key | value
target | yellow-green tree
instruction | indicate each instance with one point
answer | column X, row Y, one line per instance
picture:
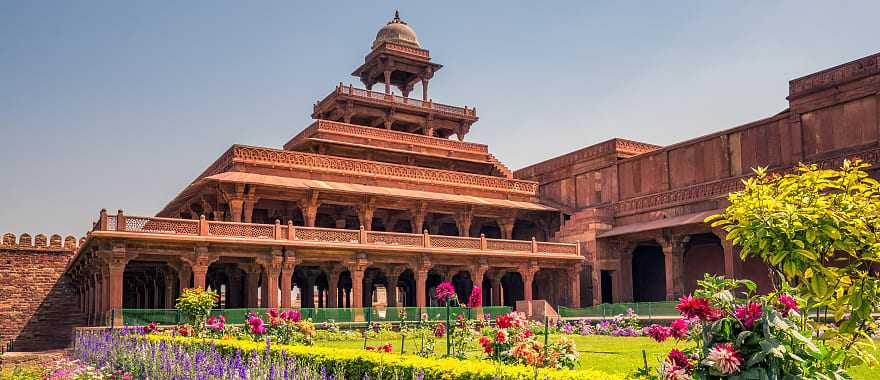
column 819, row 230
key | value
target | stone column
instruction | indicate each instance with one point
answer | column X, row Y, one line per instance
column 421, row 281
column 116, row 262
column 393, row 278
column 272, row 268
column 417, row 217
column 368, row 292
column 506, row 223
column 365, row 214
column 497, row 297
column 463, row 221
column 155, row 281
column 357, row 288
column 235, row 209
column 332, row 287
column 574, row 285
column 309, row 207
column 729, row 253
column 307, row 291
column 387, row 81
column 253, row 282
column 673, row 256
column 184, row 276
column 528, row 277
column 169, row 292
column 286, row 279
column 233, row 291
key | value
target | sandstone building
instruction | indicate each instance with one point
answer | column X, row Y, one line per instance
column 375, row 203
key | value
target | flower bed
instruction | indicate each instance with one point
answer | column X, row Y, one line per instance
column 164, row 357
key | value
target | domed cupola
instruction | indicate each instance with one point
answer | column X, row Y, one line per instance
column 398, row 32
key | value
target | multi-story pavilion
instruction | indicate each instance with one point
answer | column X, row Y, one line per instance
column 372, row 203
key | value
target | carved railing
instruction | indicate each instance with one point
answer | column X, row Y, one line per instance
column 421, row 53
column 336, row 127
column 330, row 236
column 384, row 99
column 290, row 159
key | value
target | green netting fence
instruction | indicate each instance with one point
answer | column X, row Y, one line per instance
column 609, row 310
column 138, row 317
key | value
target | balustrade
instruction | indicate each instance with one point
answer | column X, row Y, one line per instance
column 289, row 232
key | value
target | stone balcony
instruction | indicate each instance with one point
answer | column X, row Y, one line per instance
column 122, row 226
column 344, row 93
column 378, row 137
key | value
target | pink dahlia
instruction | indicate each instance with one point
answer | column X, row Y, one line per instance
column 789, row 304
column 444, row 292
column 679, row 359
column 691, row 307
column 724, row 359
column 669, row 371
column 748, row 314
column 659, row 333
column 679, row 328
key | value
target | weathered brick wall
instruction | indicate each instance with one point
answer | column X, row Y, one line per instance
column 38, row 305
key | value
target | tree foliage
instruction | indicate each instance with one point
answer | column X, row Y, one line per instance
column 818, row 229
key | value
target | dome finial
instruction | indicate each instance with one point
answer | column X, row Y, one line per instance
column 396, row 15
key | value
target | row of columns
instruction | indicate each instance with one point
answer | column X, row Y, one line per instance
column 243, row 198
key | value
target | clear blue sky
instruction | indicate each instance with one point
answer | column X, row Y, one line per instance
column 121, row 104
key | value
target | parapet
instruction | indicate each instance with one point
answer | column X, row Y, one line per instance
column 39, row 242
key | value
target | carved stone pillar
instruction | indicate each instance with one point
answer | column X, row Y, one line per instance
column 332, row 287
column 574, row 285
column 528, row 277
column 248, row 208
column 116, row 260
column 391, row 291
column 497, row 296
column 387, row 81
column 307, row 292
column 365, row 213
column 417, row 219
column 272, row 268
column 729, row 253
column 673, row 256
column 356, row 267
column 506, row 223
column 463, row 221
column 478, row 272
column 309, row 206
column 421, row 275
column 424, row 89
column 253, row 283
column 199, row 263
column 286, row 279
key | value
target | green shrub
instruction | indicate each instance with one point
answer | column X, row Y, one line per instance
column 355, row 364
column 196, row 304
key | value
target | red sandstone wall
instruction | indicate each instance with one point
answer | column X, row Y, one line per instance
column 38, row 305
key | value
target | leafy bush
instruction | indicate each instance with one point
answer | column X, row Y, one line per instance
column 819, row 230
column 195, row 304
column 741, row 335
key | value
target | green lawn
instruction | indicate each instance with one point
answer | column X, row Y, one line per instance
column 617, row 355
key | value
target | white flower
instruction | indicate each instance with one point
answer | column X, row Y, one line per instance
column 724, row 359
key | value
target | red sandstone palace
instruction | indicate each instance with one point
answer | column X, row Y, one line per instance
column 374, row 203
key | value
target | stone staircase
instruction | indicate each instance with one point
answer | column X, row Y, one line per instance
column 503, row 169
column 574, row 227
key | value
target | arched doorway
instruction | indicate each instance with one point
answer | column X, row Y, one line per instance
column 648, row 273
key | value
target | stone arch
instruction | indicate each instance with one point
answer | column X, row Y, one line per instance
column 434, row 279
column 648, row 273
column 704, row 254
